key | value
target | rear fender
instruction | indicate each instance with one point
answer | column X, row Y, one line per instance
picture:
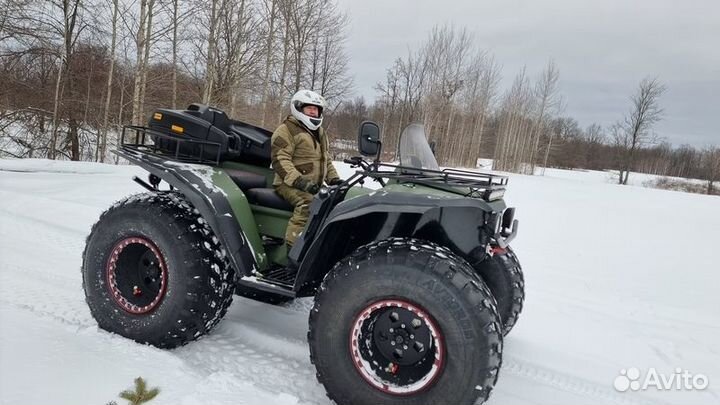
column 220, row 202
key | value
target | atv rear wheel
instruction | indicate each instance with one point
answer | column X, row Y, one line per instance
column 154, row 272
column 503, row 275
column 405, row 321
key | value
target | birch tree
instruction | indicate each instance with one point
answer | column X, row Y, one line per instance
column 100, row 156
column 547, row 101
column 270, row 8
column 211, row 48
column 142, row 41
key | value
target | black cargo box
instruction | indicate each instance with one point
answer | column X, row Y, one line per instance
column 218, row 137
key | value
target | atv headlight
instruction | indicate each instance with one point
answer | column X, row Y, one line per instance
column 492, row 195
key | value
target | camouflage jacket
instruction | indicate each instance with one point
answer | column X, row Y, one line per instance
column 296, row 152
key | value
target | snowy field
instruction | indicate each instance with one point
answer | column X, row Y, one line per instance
column 617, row 277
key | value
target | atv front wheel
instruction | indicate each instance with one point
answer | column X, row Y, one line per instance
column 154, row 272
column 503, row 275
column 405, row 321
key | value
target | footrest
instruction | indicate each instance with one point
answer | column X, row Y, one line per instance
column 280, row 275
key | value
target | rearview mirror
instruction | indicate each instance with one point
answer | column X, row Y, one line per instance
column 369, row 138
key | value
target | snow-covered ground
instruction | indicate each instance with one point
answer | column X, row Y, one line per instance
column 617, row 277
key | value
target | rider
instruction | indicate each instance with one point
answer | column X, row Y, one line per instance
column 301, row 159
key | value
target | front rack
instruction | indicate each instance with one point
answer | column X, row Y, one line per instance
column 199, row 149
column 484, row 185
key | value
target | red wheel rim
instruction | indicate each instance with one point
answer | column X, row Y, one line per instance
column 369, row 373
column 114, row 271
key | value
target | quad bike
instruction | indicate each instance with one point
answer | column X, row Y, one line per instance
column 415, row 285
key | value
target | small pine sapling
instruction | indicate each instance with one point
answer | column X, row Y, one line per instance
column 141, row 394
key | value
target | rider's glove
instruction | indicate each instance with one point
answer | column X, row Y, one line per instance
column 306, row 185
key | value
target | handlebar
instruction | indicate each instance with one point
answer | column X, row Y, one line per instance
column 357, row 161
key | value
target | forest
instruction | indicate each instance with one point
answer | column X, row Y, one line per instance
column 73, row 72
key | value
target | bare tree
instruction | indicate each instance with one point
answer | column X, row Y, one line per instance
column 100, row 156
column 175, row 23
column 142, row 42
column 239, row 51
column 594, row 139
column 69, row 30
column 514, row 121
column 711, row 167
column 211, row 49
column 638, row 123
column 303, row 17
column 329, row 60
column 271, row 17
column 146, row 58
column 484, row 77
column 547, row 101
column 447, row 51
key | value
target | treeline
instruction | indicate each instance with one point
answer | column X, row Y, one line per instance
column 452, row 86
column 74, row 71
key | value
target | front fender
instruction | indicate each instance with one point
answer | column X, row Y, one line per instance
column 457, row 223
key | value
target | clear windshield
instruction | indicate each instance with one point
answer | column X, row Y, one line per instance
column 414, row 149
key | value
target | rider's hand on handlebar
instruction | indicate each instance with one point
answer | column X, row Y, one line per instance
column 306, row 185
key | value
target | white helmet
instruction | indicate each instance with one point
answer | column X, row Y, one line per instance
column 300, row 100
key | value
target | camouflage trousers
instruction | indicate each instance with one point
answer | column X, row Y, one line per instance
column 301, row 200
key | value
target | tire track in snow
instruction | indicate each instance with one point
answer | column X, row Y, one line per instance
column 568, row 383
column 46, row 297
column 61, row 232
column 249, row 353
column 263, row 344
column 273, row 358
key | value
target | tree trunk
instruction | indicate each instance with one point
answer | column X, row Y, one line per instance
column 74, row 139
column 140, row 47
column 146, row 59
column 284, row 69
column 547, row 150
column 108, row 93
column 237, row 77
column 56, row 106
column 174, row 53
column 210, row 67
column 268, row 59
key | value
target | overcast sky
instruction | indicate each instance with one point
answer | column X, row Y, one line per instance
column 602, row 48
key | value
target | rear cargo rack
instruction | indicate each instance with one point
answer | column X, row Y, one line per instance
column 135, row 139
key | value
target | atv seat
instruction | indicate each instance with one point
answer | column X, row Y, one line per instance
column 246, row 180
column 267, row 197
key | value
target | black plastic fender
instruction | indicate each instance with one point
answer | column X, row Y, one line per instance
column 208, row 199
column 460, row 224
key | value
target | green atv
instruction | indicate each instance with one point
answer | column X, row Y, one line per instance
column 414, row 282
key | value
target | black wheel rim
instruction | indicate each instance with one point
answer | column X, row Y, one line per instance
column 397, row 347
column 136, row 275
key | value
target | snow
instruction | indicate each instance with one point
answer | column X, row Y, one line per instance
column 617, row 277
